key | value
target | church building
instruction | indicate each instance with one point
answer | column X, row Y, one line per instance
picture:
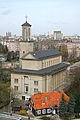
column 39, row 71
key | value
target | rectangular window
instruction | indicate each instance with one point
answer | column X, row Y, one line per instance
column 26, row 88
column 16, row 88
column 35, row 82
column 49, row 63
column 15, row 80
column 26, row 77
column 23, row 51
column 35, row 89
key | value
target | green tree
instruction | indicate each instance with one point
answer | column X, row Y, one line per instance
column 4, row 94
column 12, row 56
column 63, row 107
column 5, row 50
column 77, row 105
column 74, row 87
column 71, row 105
column 64, row 50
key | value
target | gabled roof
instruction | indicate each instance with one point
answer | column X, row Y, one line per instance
column 47, row 99
column 50, row 70
column 26, row 24
column 44, row 54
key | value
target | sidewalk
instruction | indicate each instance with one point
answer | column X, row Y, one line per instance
column 24, row 117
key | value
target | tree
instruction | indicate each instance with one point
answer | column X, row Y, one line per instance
column 12, row 56
column 3, row 49
column 63, row 107
column 74, row 87
column 73, row 54
column 64, row 50
column 4, row 94
column 71, row 105
column 77, row 105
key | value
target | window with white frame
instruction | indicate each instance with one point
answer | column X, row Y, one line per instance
column 44, row 111
column 26, row 90
column 39, row 112
column 35, row 82
column 26, row 77
column 16, row 88
column 15, row 80
column 49, row 110
column 35, row 89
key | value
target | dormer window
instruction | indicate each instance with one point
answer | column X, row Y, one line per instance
column 46, row 98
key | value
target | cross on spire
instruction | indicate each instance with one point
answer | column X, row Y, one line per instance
column 26, row 18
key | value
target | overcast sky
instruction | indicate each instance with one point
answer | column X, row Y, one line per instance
column 44, row 16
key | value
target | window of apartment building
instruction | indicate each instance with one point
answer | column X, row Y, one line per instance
column 26, row 89
column 49, row 63
column 35, row 89
column 35, row 82
column 16, row 88
column 23, row 51
column 15, row 80
column 45, row 64
column 26, row 77
column 42, row 64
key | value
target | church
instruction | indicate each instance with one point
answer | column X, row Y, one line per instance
column 39, row 71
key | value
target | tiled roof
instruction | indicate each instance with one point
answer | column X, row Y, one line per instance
column 47, row 99
column 43, row 54
column 26, row 24
column 50, row 70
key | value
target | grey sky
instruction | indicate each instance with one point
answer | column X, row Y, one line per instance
column 44, row 15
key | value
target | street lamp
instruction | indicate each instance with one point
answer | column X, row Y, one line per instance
column 58, row 107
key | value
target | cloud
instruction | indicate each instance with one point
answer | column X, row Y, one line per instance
column 6, row 12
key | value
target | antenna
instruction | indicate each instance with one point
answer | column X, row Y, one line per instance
column 26, row 18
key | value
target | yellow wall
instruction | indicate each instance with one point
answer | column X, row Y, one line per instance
column 37, row 65
column 25, row 47
column 45, row 83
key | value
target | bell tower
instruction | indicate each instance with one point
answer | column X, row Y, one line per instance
column 26, row 31
column 26, row 45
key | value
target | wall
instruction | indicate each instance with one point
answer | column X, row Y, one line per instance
column 51, row 61
column 45, row 83
column 31, row 64
column 56, row 80
column 22, row 83
column 25, row 47
column 37, row 65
